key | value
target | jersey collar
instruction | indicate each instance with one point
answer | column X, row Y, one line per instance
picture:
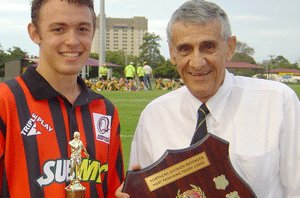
column 42, row 90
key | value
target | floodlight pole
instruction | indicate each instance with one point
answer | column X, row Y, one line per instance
column 102, row 33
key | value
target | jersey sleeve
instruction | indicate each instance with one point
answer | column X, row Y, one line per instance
column 2, row 138
column 2, row 123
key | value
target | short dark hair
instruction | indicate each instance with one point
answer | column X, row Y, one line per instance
column 37, row 4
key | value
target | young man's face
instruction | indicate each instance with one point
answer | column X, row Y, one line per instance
column 200, row 53
column 64, row 35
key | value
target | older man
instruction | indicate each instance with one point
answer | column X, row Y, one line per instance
column 259, row 118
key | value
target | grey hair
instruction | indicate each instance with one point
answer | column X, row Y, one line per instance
column 200, row 12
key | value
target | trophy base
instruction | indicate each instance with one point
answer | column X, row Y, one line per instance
column 75, row 190
column 75, row 194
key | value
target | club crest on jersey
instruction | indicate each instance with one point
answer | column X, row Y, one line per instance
column 102, row 125
column 30, row 129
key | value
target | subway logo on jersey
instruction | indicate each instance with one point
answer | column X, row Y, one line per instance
column 57, row 171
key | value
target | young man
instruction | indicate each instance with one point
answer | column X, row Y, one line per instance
column 41, row 109
column 259, row 118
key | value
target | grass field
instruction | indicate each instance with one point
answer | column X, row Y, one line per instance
column 130, row 105
column 297, row 89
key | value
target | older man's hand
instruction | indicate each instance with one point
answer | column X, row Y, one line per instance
column 119, row 193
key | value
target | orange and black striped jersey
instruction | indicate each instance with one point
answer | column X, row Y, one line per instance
column 36, row 124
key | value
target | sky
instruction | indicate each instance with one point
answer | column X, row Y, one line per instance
column 271, row 27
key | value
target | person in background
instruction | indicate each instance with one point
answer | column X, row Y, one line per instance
column 141, row 75
column 148, row 75
column 103, row 72
column 259, row 118
column 42, row 109
column 129, row 72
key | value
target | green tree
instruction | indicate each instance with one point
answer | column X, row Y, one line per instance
column 240, row 57
column 16, row 52
column 244, row 48
column 3, row 58
column 94, row 55
column 150, row 50
column 11, row 54
column 281, row 62
column 116, row 57
column 166, row 70
column 243, row 53
column 295, row 66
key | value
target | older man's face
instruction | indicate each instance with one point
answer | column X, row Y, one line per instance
column 200, row 53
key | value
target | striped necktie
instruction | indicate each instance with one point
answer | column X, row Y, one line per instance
column 201, row 129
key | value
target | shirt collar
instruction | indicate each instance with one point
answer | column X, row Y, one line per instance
column 217, row 103
column 194, row 103
column 42, row 90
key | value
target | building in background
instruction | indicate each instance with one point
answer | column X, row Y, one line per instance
column 122, row 34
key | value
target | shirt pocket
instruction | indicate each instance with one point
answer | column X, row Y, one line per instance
column 261, row 172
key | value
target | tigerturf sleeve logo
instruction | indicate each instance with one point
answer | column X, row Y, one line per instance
column 102, row 125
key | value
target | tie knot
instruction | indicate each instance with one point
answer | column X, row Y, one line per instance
column 203, row 110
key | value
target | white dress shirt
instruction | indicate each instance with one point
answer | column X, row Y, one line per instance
column 259, row 118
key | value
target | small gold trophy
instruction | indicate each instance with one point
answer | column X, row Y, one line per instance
column 75, row 189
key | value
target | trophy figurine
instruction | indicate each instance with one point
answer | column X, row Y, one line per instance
column 75, row 189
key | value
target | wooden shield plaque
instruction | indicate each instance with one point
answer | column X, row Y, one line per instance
column 202, row 171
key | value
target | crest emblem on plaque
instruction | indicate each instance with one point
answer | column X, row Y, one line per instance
column 195, row 192
column 233, row 194
column 221, row 182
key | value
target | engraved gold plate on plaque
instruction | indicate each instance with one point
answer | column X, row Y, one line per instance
column 177, row 171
